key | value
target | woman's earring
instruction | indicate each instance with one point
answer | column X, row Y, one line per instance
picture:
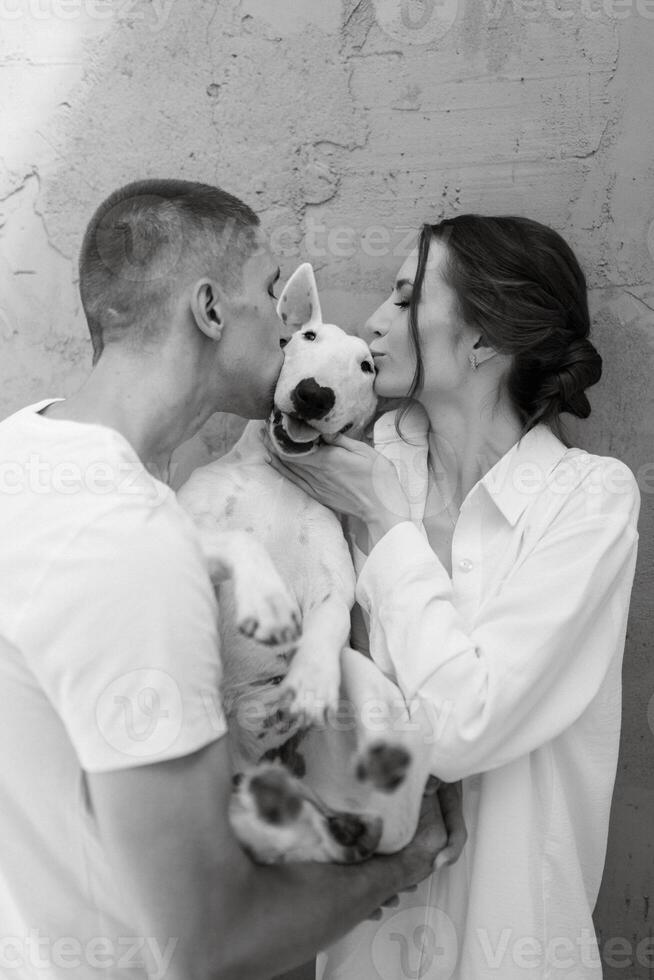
column 477, row 358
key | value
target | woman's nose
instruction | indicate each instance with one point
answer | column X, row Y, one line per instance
column 375, row 325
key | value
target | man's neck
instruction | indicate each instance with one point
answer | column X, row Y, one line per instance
column 151, row 411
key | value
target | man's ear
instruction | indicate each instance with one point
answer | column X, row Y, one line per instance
column 207, row 308
column 298, row 305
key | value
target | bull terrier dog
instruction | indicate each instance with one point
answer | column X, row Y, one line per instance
column 331, row 762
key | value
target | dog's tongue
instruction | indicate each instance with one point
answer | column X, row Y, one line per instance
column 299, row 431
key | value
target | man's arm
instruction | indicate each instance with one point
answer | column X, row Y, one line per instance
column 166, row 832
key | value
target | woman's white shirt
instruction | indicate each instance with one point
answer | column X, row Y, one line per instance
column 517, row 659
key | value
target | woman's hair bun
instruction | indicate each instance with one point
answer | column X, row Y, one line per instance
column 579, row 367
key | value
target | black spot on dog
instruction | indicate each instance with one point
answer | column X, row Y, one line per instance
column 289, row 755
column 276, row 802
column 385, row 765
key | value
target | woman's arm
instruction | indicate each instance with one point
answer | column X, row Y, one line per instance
column 539, row 649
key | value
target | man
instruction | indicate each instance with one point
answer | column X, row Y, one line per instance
column 117, row 856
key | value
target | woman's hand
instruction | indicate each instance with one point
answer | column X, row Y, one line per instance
column 351, row 478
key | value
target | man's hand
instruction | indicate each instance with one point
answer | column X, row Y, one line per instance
column 166, row 832
column 450, row 797
column 439, row 839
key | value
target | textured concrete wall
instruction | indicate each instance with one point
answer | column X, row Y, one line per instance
column 346, row 124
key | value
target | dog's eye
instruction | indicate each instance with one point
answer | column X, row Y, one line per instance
column 367, row 367
column 309, row 335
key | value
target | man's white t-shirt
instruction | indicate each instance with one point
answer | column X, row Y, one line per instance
column 109, row 659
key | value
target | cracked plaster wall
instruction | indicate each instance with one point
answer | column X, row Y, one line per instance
column 345, row 128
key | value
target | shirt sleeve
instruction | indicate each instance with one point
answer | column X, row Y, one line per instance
column 539, row 648
column 123, row 639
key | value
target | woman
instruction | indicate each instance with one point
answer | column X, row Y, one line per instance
column 496, row 588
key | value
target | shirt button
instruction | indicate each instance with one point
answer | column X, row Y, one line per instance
column 466, row 565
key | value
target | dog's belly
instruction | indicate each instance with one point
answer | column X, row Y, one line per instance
column 240, row 492
column 305, row 540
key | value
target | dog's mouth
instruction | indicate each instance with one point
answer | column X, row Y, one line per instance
column 294, row 436
column 291, row 435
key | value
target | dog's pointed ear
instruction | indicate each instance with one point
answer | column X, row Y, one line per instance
column 298, row 304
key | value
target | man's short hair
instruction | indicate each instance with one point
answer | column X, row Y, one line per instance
column 148, row 238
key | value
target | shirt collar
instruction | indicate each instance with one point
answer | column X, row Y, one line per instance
column 523, row 472
column 511, row 483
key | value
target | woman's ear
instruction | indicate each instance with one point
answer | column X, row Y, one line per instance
column 480, row 352
column 208, row 309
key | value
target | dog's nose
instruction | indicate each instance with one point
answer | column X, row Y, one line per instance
column 311, row 400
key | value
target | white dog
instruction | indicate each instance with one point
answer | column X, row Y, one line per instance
column 318, row 778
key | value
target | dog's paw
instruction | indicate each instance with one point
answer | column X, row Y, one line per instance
column 309, row 691
column 383, row 764
column 277, row 818
column 266, row 611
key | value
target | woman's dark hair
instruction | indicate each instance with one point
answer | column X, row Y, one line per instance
column 519, row 283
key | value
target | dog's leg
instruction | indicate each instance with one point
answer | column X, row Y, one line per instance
column 277, row 819
column 265, row 609
column 311, row 686
column 380, row 747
